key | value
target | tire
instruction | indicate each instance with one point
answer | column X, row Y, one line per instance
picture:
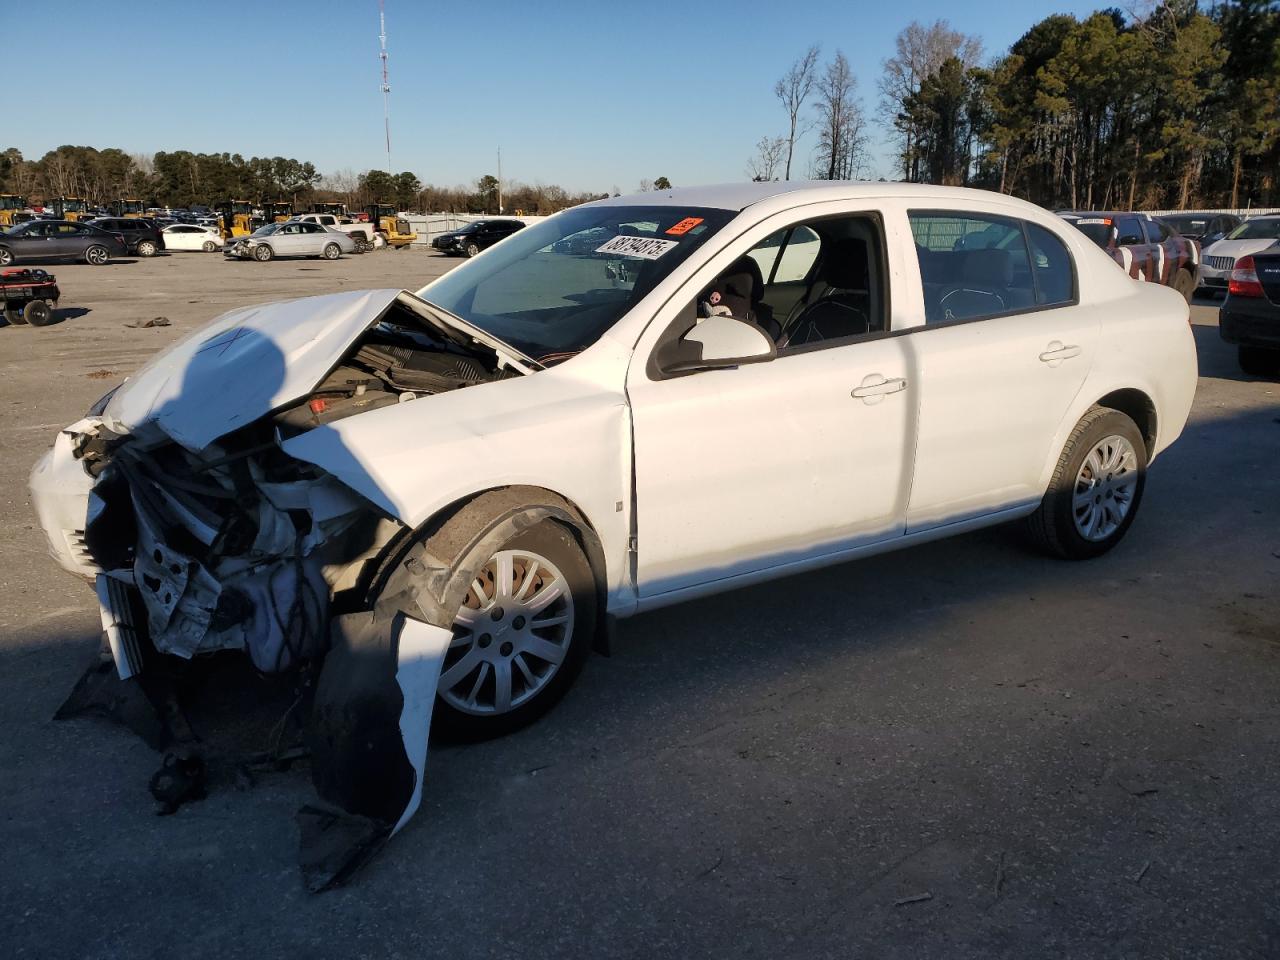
column 15, row 316
column 208, row 246
column 472, row 250
column 146, row 248
column 1185, row 284
column 1074, row 499
column 1259, row 361
column 38, row 313
column 6, row 257
column 262, row 253
column 97, row 255
column 496, row 639
column 331, row 251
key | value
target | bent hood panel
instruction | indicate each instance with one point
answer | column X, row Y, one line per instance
column 243, row 365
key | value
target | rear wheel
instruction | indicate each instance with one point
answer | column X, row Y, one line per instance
column 1095, row 490
column 208, row 246
column 15, row 316
column 1259, row 361
column 262, row 253
column 331, row 251
column 97, row 255
column 146, row 248
column 1185, row 284
column 38, row 313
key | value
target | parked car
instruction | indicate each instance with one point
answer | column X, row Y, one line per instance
column 1145, row 247
column 475, row 236
column 1252, row 236
column 361, row 233
column 290, row 239
column 1250, row 316
column 40, row 241
column 143, row 237
column 188, row 236
column 1204, row 228
column 472, row 481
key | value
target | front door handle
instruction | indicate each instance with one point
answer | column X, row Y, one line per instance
column 875, row 387
column 1057, row 352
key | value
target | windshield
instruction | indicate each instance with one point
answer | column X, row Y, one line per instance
column 1268, row 229
column 1188, row 226
column 1097, row 229
column 550, row 297
column 266, row 231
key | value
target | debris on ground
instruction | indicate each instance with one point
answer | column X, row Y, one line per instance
column 101, row 374
column 915, row 898
column 153, row 322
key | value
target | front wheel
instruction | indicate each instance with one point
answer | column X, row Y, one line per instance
column 146, row 249
column 6, row 257
column 15, row 316
column 262, row 253
column 97, row 255
column 520, row 636
column 331, row 251
column 38, row 313
column 472, row 250
column 1095, row 490
column 1259, row 361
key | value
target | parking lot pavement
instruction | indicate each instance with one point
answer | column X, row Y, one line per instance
column 959, row 750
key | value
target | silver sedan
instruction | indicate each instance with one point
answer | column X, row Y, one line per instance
column 290, row 239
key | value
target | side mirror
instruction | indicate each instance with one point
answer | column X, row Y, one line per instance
column 720, row 342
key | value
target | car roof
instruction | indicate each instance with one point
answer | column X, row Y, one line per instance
column 739, row 196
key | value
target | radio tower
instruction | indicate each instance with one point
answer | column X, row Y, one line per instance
column 386, row 84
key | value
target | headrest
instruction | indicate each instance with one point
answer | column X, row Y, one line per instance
column 844, row 264
column 989, row 268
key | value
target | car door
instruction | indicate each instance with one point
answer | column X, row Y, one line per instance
column 34, row 242
column 289, row 240
column 1003, row 351
column 178, row 238
column 775, row 464
column 1138, row 255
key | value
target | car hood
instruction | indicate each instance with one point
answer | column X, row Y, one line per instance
column 1237, row 248
column 243, row 365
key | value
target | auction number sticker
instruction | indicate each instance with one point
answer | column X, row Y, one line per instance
column 684, row 226
column 646, row 248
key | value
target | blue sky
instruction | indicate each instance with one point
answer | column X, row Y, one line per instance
column 590, row 95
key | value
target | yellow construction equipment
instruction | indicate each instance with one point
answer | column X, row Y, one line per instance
column 132, row 209
column 236, row 217
column 70, row 208
column 11, row 206
column 395, row 230
column 276, row 211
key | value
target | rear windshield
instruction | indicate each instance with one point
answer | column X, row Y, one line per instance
column 1097, row 229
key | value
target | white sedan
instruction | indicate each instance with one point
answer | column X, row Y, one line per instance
column 1253, row 236
column 727, row 385
column 188, row 236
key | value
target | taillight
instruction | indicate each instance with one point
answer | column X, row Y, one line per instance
column 1244, row 279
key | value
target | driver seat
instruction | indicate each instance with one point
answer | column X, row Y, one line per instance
column 837, row 305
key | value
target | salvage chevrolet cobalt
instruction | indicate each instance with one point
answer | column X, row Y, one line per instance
column 434, row 504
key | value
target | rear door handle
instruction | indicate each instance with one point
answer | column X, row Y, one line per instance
column 1057, row 352
column 875, row 387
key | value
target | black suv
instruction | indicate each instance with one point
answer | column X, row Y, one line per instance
column 142, row 237
column 476, row 236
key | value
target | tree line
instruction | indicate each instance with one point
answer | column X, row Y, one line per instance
column 1175, row 108
column 181, row 178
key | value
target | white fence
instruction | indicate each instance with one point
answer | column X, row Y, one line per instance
column 1245, row 212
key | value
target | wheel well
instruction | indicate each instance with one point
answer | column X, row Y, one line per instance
column 495, row 500
column 1139, row 408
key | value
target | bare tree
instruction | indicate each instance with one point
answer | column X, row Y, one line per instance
column 646, row 186
column 842, row 127
column 793, row 90
column 768, row 157
column 921, row 51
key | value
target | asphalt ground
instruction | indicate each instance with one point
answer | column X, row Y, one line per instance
column 959, row 750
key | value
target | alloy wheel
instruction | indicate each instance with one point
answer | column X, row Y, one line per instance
column 1105, row 487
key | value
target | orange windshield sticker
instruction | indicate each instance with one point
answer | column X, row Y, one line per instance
column 684, row 226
